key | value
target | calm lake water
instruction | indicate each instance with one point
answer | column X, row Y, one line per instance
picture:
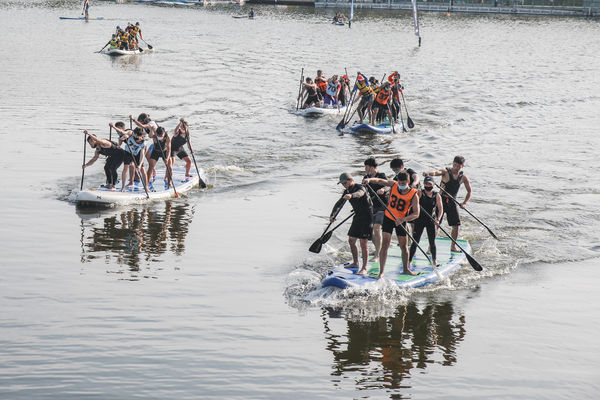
column 215, row 295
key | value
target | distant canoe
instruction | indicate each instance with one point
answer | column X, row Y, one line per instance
column 81, row 18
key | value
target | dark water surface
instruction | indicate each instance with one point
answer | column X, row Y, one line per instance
column 215, row 295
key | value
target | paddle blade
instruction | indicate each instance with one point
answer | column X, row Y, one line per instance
column 316, row 246
column 341, row 125
column 150, row 47
column 409, row 122
column 325, row 238
column 474, row 263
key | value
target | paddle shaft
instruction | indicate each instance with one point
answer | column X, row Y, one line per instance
column 107, row 43
column 335, row 215
column 476, row 266
column 83, row 169
column 409, row 121
column 149, row 46
column 201, row 182
column 340, row 224
column 464, row 208
column 169, row 172
column 300, row 89
column 406, row 231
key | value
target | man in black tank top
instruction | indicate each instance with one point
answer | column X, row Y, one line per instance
column 378, row 209
column 452, row 178
column 362, row 222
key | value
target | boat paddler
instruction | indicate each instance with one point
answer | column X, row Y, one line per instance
column 366, row 97
column 361, row 228
column 452, row 178
column 114, row 158
column 86, row 7
column 135, row 150
column 312, row 99
column 378, row 208
column 402, row 207
column 180, row 138
column 382, row 102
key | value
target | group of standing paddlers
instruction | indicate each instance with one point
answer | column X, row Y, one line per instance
column 375, row 100
column 131, row 150
column 403, row 204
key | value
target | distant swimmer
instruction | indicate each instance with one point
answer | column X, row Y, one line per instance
column 114, row 158
column 431, row 202
column 180, row 138
column 452, row 178
column 86, row 7
column 362, row 222
column 402, row 207
column 312, row 99
column 366, row 96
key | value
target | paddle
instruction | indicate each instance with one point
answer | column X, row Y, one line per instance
column 137, row 167
column 316, row 246
column 476, row 266
column 149, row 45
column 107, row 43
column 201, row 182
column 317, row 242
column 300, row 89
column 392, row 122
column 406, row 231
column 110, row 133
column 83, row 169
column 470, row 213
column 409, row 121
column 343, row 122
column 169, row 173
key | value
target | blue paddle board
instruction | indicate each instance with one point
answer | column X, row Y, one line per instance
column 448, row 261
column 81, row 18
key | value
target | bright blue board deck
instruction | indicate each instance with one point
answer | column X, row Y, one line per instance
column 448, row 261
column 383, row 128
column 80, row 18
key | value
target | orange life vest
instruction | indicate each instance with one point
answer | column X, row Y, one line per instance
column 399, row 204
column 321, row 84
column 383, row 96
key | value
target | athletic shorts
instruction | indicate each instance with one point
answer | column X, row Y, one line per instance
column 389, row 225
column 379, row 106
column 378, row 217
column 156, row 154
column 128, row 159
column 330, row 100
column 362, row 227
column 180, row 152
column 311, row 99
column 451, row 211
column 368, row 99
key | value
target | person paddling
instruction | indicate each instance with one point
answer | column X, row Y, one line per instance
column 114, row 158
column 402, row 207
column 381, row 104
column 378, row 208
column 332, row 91
column 431, row 202
column 321, row 83
column 180, row 138
column 251, row 13
column 312, row 99
column 86, row 7
column 397, row 165
column 161, row 148
column 452, row 178
column 362, row 223
column 135, row 150
column 366, row 97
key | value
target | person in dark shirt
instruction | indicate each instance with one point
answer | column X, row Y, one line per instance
column 378, row 208
column 362, row 222
column 452, row 178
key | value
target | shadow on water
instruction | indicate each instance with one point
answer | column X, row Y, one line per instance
column 385, row 352
column 137, row 238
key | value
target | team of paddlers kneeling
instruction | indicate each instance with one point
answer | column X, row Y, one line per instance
column 375, row 99
column 131, row 150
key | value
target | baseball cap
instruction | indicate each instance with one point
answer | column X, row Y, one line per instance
column 345, row 177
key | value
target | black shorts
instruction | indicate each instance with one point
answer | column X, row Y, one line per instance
column 128, row 159
column 156, row 154
column 311, row 99
column 389, row 225
column 180, row 152
column 362, row 227
column 379, row 106
column 451, row 211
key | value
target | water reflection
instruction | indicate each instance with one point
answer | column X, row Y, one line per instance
column 134, row 237
column 385, row 352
